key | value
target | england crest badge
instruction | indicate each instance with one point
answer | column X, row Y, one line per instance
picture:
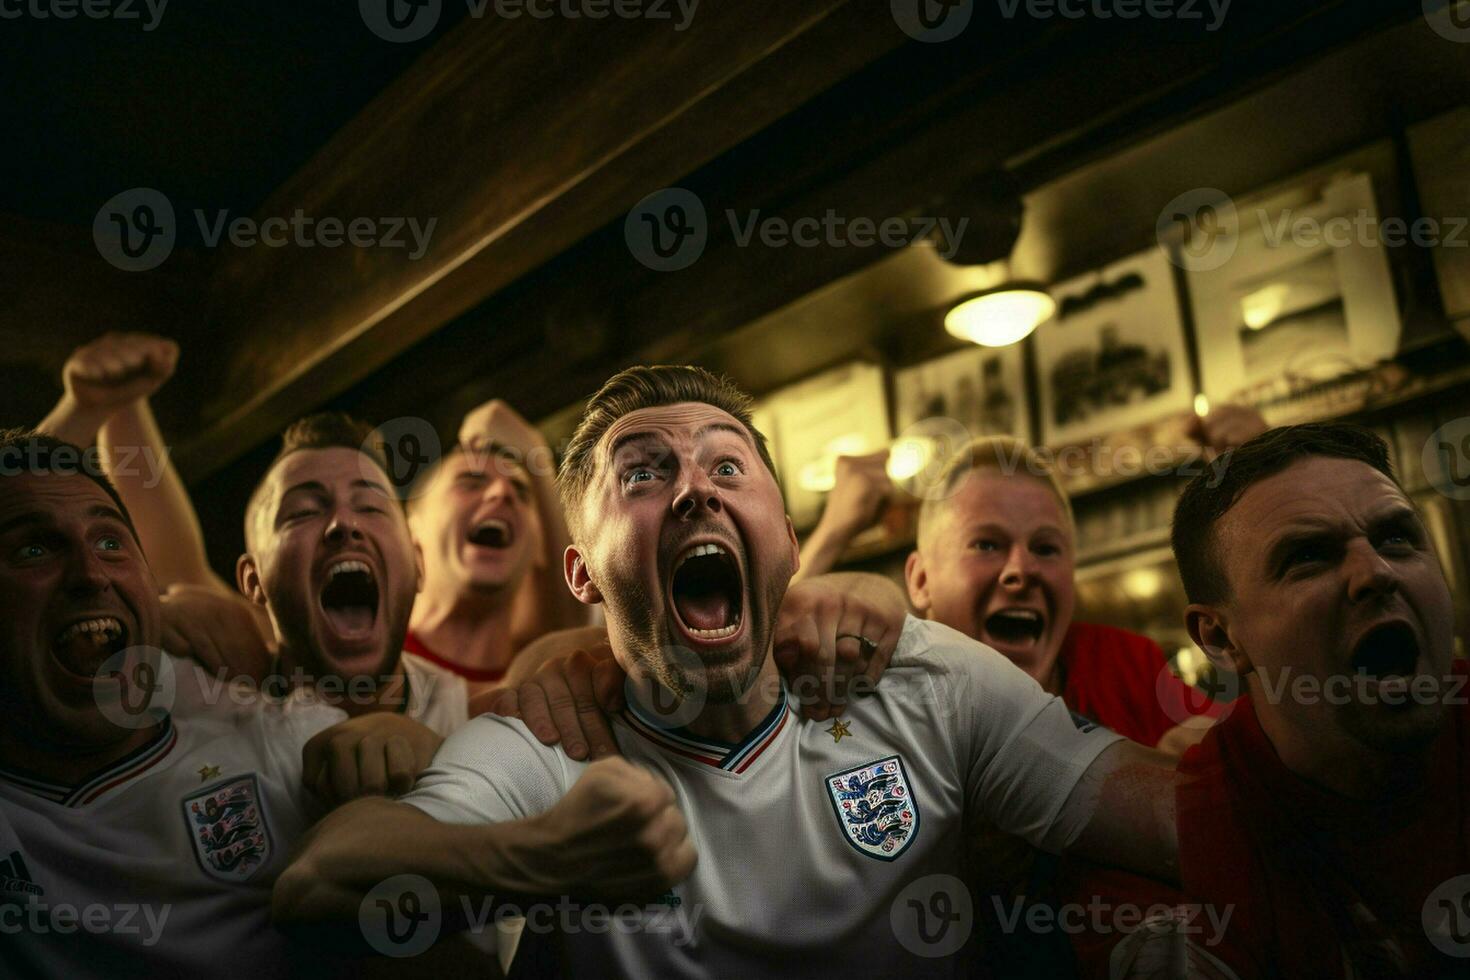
column 875, row 807
column 228, row 827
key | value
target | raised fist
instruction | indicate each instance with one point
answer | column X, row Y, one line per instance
column 858, row 495
column 618, row 834
column 118, row 368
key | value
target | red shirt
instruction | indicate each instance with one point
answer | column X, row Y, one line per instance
column 412, row 644
column 1121, row 681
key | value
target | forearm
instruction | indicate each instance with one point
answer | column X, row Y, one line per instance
column 558, row 644
column 137, row 460
column 70, row 422
column 343, row 858
column 822, row 551
column 1124, row 807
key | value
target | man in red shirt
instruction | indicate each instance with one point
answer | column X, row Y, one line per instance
column 1324, row 823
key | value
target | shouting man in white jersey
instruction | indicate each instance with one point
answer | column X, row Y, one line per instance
column 768, row 845
column 133, row 842
column 330, row 558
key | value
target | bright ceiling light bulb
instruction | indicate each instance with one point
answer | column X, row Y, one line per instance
column 1000, row 317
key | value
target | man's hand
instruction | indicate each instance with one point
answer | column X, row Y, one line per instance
column 1227, row 427
column 833, row 630
column 618, row 833
column 377, row 754
column 118, row 368
column 567, row 700
column 495, row 422
column 223, row 632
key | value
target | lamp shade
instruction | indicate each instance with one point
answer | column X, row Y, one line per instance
column 1000, row 317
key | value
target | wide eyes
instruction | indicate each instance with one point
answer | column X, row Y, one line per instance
column 727, row 468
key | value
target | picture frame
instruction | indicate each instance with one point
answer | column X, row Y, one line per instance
column 981, row 388
column 1115, row 355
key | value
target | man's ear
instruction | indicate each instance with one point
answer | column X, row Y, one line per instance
column 247, row 579
column 917, row 582
column 1209, row 628
column 579, row 578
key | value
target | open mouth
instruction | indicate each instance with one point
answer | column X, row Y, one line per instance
column 85, row 645
column 493, row 533
column 707, row 592
column 350, row 597
column 1016, row 627
column 1390, row 650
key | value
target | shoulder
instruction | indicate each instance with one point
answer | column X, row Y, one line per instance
column 493, row 769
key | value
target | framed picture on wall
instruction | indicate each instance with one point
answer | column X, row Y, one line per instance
column 982, row 388
column 1304, row 299
column 841, row 412
column 1114, row 356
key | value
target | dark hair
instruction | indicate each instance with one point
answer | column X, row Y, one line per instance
column 1211, row 494
column 646, row 387
column 323, row 430
column 40, row 452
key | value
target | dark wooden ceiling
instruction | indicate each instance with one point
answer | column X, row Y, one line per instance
column 527, row 141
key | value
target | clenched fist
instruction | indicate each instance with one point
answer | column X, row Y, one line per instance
column 118, row 368
column 617, row 835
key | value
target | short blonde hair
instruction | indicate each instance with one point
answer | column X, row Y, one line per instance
column 1006, row 455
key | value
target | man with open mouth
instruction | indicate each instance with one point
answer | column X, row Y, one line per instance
column 133, row 841
column 330, row 558
column 1329, row 809
column 771, row 845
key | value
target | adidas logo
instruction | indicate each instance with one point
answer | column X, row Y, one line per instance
column 15, row 877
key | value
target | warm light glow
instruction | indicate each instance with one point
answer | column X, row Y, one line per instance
column 1201, row 406
column 1000, row 318
column 1143, row 583
column 909, row 456
column 1263, row 306
column 820, row 475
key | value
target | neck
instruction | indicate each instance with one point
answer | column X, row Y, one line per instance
column 64, row 765
column 730, row 722
column 472, row 630
column 1331, row 760
column 1048, row 673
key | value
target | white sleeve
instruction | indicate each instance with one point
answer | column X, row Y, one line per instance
column 1020, row 752
column 491, row 770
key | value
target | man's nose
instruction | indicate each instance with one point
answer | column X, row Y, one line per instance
column 1369, row 574
column 1018, row 568
column 86, row 574
column 343, row 526
column 696, row 491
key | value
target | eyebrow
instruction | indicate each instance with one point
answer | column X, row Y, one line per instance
column 33, row 518
column 699, row 433
column 319, row 488
column 1309, row 530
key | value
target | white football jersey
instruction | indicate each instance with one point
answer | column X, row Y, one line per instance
column 162, row 864
column 437, row 698
column 825, row 849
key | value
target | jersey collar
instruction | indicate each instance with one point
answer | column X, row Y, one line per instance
column 734, row 758
column 129, row 767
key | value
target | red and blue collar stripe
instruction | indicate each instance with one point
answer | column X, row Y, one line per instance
column 734, row 758
column 134, row 764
